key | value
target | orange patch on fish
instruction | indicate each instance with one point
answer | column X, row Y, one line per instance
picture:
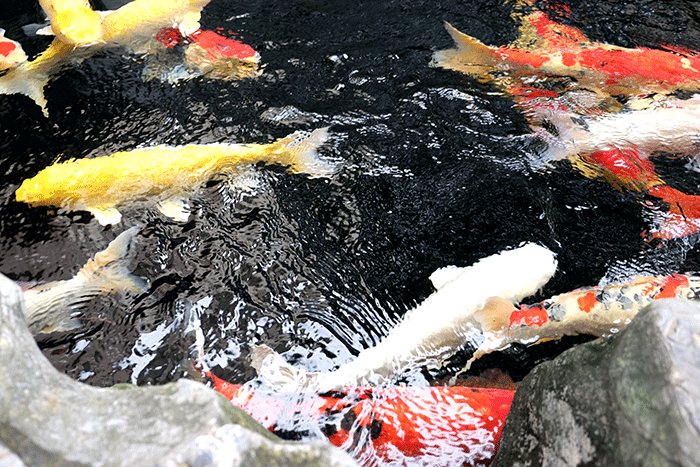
column 529, row 316
column 587, row 302
column 670, row 286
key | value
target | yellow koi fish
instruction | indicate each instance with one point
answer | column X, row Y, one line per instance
column 161, row 175
column 73, row 22
column 131, row 26
column 49, row 307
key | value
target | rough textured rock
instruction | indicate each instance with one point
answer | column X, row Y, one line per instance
column 631, row 400
column 48, row 419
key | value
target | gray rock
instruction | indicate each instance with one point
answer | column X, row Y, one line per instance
column 629, row 400
column 48, row 419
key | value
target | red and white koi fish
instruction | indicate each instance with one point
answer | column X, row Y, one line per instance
column 11, row 53
column 49, row 307
column 429, row 333
column 600, row 143
column 392, row 426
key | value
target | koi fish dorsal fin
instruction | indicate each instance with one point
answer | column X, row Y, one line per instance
column 538, row 32
column 107, row 270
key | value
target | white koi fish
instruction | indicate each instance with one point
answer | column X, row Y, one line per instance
column 131, row 26
column 162, row 175
column 49, row 307
column 431, row 332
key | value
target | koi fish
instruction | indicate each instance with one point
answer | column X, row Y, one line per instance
column 600, row 142
column 397, row 425
column 429, row 333
column 73, row 22
column 162, row 175
column 133, row 26
column 547, row 49
column 597, row 311
column 206, row 53
column 49, row 307
column 11, row 53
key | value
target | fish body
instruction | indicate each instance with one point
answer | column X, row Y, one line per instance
column 396, row 425
column 429, row 333
column 73, row 22
column 11, row 53
column 548, row 49
column 161, row 175
column 597, row 311
column 132, row 26
column 49, row 307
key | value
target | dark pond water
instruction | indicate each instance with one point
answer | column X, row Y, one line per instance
column 434, row 169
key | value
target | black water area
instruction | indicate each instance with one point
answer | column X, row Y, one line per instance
column 434, row 169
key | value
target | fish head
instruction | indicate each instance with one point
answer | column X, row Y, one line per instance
column 77, row 26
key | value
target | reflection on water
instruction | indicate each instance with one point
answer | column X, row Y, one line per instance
column 434, row 169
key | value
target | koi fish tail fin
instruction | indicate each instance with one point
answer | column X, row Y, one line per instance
column 276, row 372
column 50, row 307
column 299, row 152
column 682, row 217
column 24, row 80
column 108, row 271
column 471, row 56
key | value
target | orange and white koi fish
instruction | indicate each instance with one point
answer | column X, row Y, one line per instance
column 398, row 425
column 11, row 53
column 429, row 333
column 600, row 142
column 50, row 307
column 73, row 22
column 133, row 26
column 596, row 311
column 162, row 175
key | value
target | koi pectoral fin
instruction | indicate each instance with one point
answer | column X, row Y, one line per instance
column 106, row 216
column 174, row 208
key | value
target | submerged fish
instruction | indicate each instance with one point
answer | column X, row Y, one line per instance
column 11, row 53
column 562, row 80
column 396, row 425
column 133, row 26
column 162, row 175
column 49, row 307
column 73, row 22
column 431, row 332
column 202, row 53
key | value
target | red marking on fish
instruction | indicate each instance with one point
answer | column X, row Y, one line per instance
column 6, row 48
column 670, row 285
column 533, row 315
column 587, row 302
column 170, row 37
column 218, row 46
